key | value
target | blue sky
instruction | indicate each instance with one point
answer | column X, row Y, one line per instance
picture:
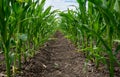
column 61, row 4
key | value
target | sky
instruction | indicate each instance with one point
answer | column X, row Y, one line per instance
column 61, row 4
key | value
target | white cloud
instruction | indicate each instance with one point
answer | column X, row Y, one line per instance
column 61, row 4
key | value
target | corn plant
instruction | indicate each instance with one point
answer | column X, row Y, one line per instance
column 24, row 26
column 94, row 29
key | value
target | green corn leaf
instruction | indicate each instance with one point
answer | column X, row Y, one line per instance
column 12, row 57
column 87, row 49
column 117, row 6
column 41, row 6
column 47, row 11
column 22, row 1
column 96, row 2
column 22, row 37
column 118, row 41
column 95, row 48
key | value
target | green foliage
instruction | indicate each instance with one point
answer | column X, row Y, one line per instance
column 24, row 26
column 94, row 29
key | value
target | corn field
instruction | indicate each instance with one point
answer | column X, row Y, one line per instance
column 24, row 26
column 95, row 30
column 94, row 27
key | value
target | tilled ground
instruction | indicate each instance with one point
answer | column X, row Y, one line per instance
column 58, row 58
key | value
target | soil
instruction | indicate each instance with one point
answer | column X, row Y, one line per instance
column 59, row 58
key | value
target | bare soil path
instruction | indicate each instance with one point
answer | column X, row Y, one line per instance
column 58, row 58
